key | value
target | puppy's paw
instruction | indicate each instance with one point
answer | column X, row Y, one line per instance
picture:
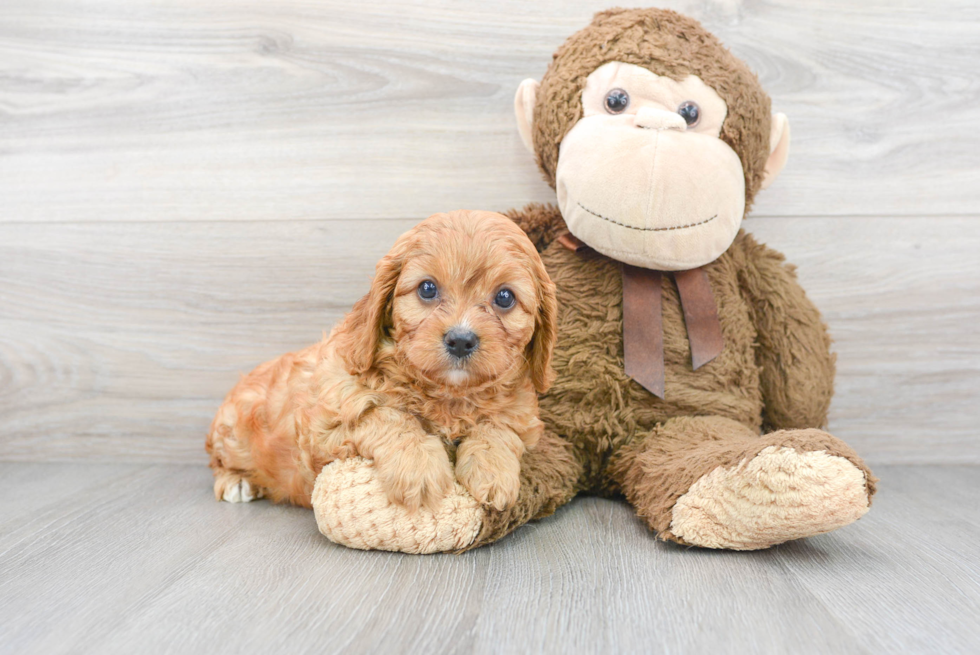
column 417, row 474
column 491, row 475
column 240, row 490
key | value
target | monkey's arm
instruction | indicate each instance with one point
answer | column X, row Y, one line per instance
column 542, row 223
column 793, row 345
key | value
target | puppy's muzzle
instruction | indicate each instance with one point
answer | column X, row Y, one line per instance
column 460, row 342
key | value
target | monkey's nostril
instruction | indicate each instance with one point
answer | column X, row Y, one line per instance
column 461, row 343
column 657, row 119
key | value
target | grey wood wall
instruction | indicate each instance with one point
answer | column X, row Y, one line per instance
column 189, row 188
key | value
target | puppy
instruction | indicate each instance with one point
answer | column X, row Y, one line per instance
column 450, row 346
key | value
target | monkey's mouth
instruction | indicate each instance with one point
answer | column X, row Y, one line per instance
column 646, row 229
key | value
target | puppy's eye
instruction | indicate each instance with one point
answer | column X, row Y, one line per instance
column 690, row 112
column 428, row 290
column 617, row 101
column 505, row 299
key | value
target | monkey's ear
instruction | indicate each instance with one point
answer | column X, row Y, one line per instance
column 524, row 100
column 778, row 149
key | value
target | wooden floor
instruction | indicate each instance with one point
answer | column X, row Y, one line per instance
column 131, row 559
column 191, row 187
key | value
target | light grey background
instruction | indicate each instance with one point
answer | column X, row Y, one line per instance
column 189, row 188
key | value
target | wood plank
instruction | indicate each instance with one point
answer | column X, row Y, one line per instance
column 600, row 580
column 118, row 341
column 26, row 488
column 126, row 110
column 304, row 594
column 122, row 339
column 905, row 577
column 945, row 488
column 152, row 563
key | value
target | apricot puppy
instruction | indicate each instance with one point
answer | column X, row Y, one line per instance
column 450, row 346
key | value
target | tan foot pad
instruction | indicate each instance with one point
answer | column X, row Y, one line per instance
column 353, row 510
column 778, row 495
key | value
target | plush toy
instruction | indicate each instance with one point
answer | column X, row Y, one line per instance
column 693, row 374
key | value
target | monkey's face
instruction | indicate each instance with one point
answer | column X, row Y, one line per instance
column 654, row 161
column 643, row 176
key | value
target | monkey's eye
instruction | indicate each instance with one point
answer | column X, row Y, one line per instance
column 505, row 299
column 428, row 290
column 690, row 112
column 617, row 101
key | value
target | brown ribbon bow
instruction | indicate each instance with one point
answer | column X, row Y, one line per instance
column 643, row 337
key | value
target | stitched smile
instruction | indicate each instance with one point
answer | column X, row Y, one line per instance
column 646, row 229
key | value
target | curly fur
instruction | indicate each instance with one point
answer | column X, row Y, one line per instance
column 382, row 385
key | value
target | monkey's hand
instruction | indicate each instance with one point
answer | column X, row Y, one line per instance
column 352, row 509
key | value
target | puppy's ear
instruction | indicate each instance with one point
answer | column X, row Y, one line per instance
column 545, row 328
column 364, row 327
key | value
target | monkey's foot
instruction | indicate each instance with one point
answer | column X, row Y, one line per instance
column 353, row 510
column 778, row 495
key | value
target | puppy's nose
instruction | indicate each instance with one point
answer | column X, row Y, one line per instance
column 461, row 343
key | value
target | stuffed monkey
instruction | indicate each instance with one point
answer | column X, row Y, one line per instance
column 693, row 374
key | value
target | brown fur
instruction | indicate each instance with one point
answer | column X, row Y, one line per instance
column 382, row 386
column 666, row 43
column 775, row 374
